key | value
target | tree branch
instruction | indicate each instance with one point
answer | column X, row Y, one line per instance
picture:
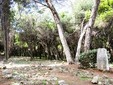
column 40, row 3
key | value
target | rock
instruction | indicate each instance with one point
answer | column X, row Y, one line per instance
column 22, row 82
column 6, row 72
column 106, row 82
column 46, row 73
column 54, row 78
column 2, row 66
column 54, row 83
column 102, row 59
column 19, row 77
column 16, row 77
column 105, row 77
column 111, row 81
column 50, row 68
column 63, row 69
column 38, row 74
column 95, row 79
column 9, row 76
column 99, row 83
column 62, row 82
column 13, row 83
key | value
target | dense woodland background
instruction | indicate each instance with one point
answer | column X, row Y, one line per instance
column 51, row 29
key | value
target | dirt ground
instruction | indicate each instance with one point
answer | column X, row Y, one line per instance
column 70, row 73
column 4, row 81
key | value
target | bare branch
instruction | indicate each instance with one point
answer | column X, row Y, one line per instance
column 40, row 3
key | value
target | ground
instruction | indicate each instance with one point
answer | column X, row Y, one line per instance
column 22, row 71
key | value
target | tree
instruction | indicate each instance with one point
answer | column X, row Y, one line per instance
column 87, row 28
column 5, row 22
column 60, row 29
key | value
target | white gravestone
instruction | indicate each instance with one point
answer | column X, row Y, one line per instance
column 102, row 59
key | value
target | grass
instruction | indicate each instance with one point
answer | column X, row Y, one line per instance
column 44, row 82
column 85, row 78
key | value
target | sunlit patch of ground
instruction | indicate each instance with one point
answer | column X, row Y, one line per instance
column 46, row 72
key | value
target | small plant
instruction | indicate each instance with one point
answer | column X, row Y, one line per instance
column 44, row 82
column 88, row 59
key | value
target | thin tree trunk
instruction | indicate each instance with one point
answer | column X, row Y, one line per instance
column 88, row 25
column 87, row 39
column 6, row 44
column 60, row 31
column 5, row 25
column 79, row 44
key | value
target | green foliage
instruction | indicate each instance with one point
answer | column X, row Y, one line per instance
column 23, row 2
column 47, row 23
column 87, row 15
column 83, row 5
column 105, row 9
column 105, row 13
column 17, row 39
column 79, row 17
column 99, row 41
column 59, row 47
column 105, row 5
column 65, row 17
column 88, row 59
column 67, row 22
column 19, row 43
column 86, row 4
column 82, row 10
column 11, row 15
column 44, row 82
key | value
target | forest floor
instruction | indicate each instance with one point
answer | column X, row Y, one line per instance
column 22, row 71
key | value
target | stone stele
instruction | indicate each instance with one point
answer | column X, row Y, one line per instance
column 102, row 59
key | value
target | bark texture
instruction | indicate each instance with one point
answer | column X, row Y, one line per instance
column 87, row 39
column 87, row 27
column 5, row 22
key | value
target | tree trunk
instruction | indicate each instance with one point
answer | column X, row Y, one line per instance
column 87, row 40
column 60, row 31
column 5, row 22
column 79, row 44
column 89, row 25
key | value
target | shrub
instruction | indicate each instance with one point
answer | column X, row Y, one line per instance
column 88, row 59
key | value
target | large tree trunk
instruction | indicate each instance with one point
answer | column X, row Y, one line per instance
column 5, row 22
column 91, row 23
column 60, row 31
column 88, row 26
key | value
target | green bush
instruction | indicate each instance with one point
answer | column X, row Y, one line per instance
column 88, row 59
column 105, row 5
column 106, row 16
